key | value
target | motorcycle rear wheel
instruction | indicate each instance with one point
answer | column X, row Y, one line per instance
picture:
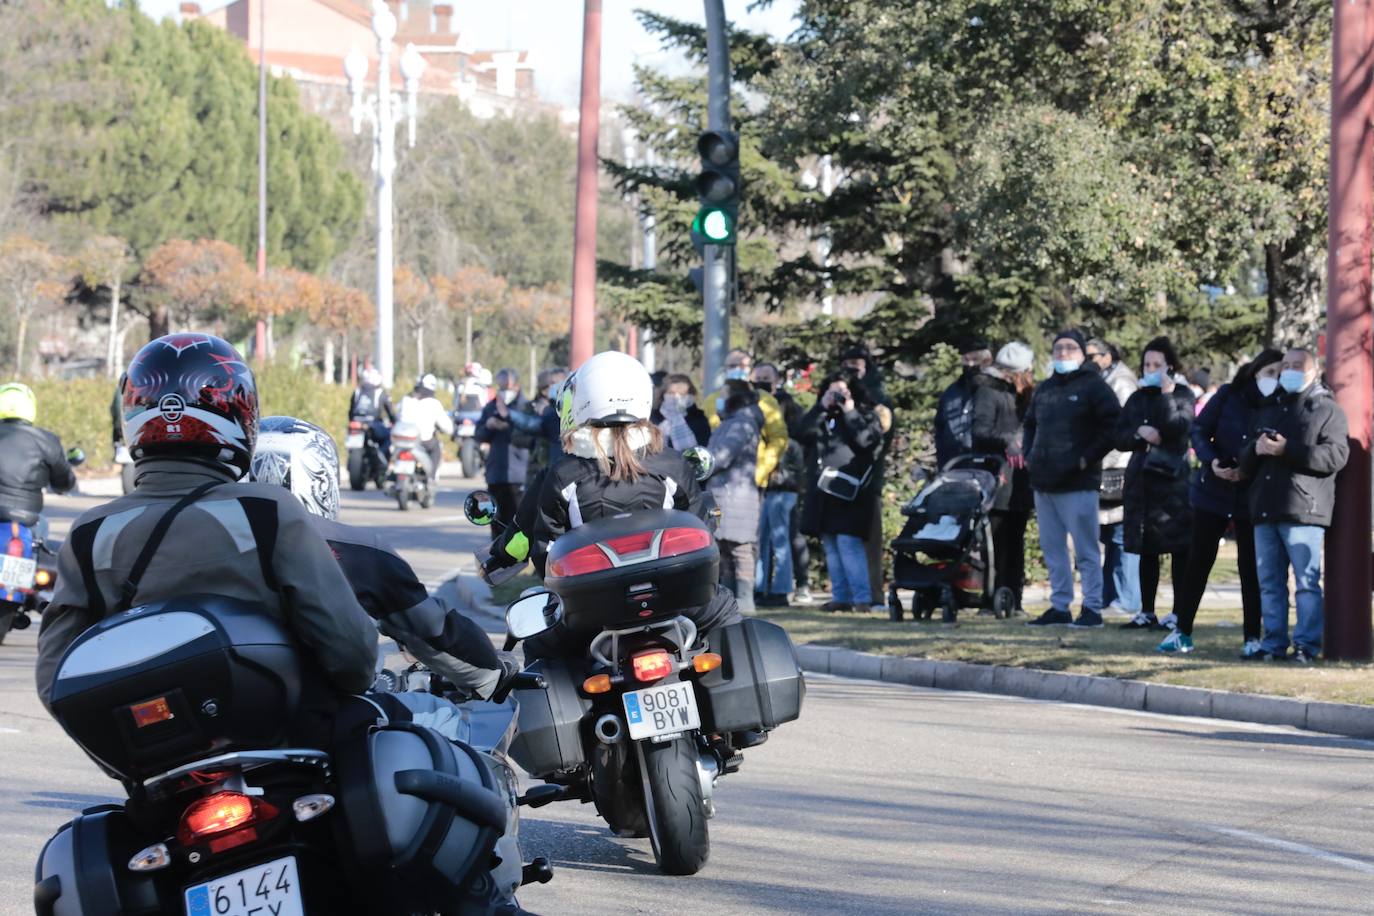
column 469, row 456
column 402, row 494
column 357, row 480
column 7, row 611
column 676, row 809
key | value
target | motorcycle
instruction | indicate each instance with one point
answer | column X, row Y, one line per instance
column 409, row 475
column 28, row 567
column 647, row 722
column 365, row 459
column 467, row 411
column 235, row 810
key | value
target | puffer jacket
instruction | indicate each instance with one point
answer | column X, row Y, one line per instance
column 1298, row 486
column 1123, row 383
column 1069, row 429
column 1222, row 432
column 850, row 442
column 31, row 459
column 735, row 446
column 1157, row 518
column 209, row 548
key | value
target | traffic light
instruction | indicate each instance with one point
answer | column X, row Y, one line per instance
column 718, row 188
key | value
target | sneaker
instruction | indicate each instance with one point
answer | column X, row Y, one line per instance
column 803, row 597
column 1051, row 618
column 1116, row 610
column 1175, row 642
column 1169, row 621
column 1141, row 621
column 1263, row 655
column 1088, row 619
column 1252, row 648
column 833, row 607
column 1302, row 656
column 862, row 608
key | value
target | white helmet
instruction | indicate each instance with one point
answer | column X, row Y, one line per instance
column 610, row 389
column 428, row 382
column 372, row 377
column 302, row 458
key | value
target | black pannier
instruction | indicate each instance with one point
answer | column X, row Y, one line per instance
column 549, row 737
column 759, row 683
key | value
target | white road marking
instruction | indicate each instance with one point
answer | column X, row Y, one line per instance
column 453, row 573
column 10, row 731
column 1335, row 859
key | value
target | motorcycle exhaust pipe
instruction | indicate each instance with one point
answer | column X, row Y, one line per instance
column 609, row 730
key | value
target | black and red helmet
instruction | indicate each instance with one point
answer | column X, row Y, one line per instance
column 190, row 396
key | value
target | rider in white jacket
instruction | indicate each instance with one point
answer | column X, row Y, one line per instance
column 427, row 413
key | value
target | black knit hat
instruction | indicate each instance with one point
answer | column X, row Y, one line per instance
column 1072, row 334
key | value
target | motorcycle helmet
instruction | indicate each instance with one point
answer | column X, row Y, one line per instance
column 428, row 382
column 610, row 389
column 17, row 402
column 372, row 377
column 190, row 396
column 301, row 457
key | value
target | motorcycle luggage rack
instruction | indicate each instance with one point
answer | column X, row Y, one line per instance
column 245, row 760
column 686, row 638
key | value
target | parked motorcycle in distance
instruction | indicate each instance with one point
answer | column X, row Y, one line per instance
column 365, row 459
column 409, row 475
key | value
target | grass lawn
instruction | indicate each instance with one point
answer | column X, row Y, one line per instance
column 1110, row 651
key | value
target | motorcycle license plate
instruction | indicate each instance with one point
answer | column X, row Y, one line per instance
column 663, row 710
column 405, row 467
column 17, row 572
column 269, row 889
column 354, row 440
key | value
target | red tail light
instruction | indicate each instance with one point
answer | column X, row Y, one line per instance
column 355, row 426
column 215, row 817
column 677, row 541
column 584, row 560
column 652, row 665
column 632, row 543
column 15, row 548
column 405, row 456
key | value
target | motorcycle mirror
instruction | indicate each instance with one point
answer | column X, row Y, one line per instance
column 75, row 456
column 532, row 615
column 480, row 507
column 701, row 461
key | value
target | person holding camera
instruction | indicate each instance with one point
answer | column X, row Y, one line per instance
column 1219, row 498
column 847, row 433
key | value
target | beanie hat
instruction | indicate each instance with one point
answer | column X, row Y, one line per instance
column 1072, row 334
column 1016, row 357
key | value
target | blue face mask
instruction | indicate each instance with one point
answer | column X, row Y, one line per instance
column 1065, row 366
column 1292, row 380
column 1152, row 380
column 737, row 373
column 720, row 406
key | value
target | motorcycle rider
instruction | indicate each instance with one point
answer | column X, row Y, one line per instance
column 302, row 458
column 372, row 405
column 31, row 459
column 424, row 410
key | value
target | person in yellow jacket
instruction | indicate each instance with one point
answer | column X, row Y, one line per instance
column 773, row 438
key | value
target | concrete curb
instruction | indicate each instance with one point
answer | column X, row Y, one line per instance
column 1350, row 720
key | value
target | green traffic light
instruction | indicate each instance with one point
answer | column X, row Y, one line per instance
column 716, row 226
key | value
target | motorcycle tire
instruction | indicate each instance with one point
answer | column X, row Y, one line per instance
column 616, row 791
column 426, row 498
column 402, row 494
column 676, row 809
column 126, row 478
column 470, row 458
column 357, row 479
column 7, row 611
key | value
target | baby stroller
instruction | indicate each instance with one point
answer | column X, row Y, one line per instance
column 945, row 553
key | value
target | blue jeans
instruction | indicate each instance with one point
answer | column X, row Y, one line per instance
column 1276, row 548
column 775, row 543
column 1120, row 571
column 848, row 564
column 1070, row 515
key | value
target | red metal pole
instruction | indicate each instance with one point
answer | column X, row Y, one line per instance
column 1350, row 360
column 584, row 242
column 260, row 340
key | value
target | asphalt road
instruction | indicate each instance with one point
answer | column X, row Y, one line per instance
column 886, row 800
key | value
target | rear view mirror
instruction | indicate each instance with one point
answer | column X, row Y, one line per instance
column 76, row 456
column 480, row 507
column 532, row 615
column 701, row 461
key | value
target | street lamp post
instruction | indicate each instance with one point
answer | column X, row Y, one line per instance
column 382, row 113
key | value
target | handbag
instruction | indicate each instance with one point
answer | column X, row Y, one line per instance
column 1113, row 488
column 1162, row 463
column 840, row 485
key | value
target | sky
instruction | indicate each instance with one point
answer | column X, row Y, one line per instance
column 552, row 31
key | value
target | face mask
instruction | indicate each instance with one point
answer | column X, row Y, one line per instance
column 1293, row 380
column 1267, row 385
column 737, row 372
column 720, row 406
column 508, row 395
column 764, row 386
column 1065, row 366
column 548, row 392
column 678, row 403
column 1152, row 380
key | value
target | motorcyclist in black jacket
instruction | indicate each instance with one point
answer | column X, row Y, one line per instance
column 372, row 405
column 31, row 458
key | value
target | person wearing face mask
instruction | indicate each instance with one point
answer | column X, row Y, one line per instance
column 778, row 522
column 857, row 360
column 1120, row 569
column 1298, row 443
column 677, row 415
column 1218, row 495
column 508, row 452
column 773, row 434
column 1153, row 429
column 1068, row 431
column 954, row 413
column 734, row 446
column 539, row 423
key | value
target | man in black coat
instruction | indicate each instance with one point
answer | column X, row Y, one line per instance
column 1300, row 442
column 1068, row 431
column 954, row 415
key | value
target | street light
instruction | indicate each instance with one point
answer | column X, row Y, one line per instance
column 380, row 111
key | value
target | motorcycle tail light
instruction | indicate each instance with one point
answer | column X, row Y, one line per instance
column 597, row 683
column 652, row 665
column 355, row 426
column 15, row 548
column 217, row 816
column 405, row 456
column 706, row 661
column 632, row 543
column 584, row 560
column 677, row 541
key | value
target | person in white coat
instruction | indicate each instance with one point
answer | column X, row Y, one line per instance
column 428, row 415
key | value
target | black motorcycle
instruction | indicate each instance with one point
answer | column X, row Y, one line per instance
column 651, row 715
column 235, row 808
column 365, row 459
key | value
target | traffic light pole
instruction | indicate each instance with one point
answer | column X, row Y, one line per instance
column 715, row 339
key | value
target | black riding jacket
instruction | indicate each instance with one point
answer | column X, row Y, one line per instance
column 31, row 459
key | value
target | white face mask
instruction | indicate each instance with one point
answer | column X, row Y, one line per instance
column 1266, row 385
column 508, row 395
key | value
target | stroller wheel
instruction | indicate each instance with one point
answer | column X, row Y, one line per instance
column 1004, row 603
column 894, row 606
column 949, row 606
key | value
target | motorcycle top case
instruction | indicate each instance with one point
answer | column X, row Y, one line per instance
column 176, row 681
column 82, row 869
column 759, row 683
column 549, row 737
column 421, row 814
column 633, row 581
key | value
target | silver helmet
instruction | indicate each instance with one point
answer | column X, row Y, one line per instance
column 301, row 457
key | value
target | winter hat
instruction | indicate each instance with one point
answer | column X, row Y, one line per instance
column 1015, row 357
column 1072, row 334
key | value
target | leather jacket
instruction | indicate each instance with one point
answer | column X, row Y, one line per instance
column 31, row 460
